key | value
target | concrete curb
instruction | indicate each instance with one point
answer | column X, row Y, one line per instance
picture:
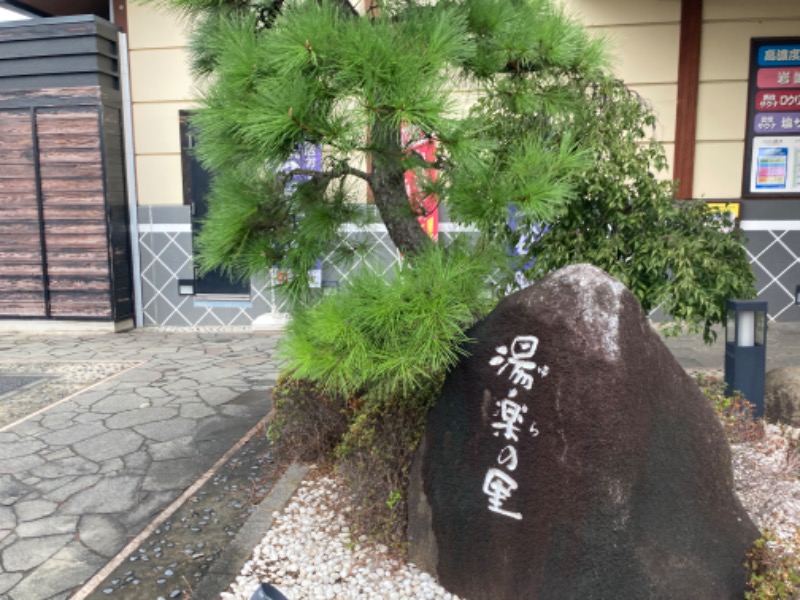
column 228, row 566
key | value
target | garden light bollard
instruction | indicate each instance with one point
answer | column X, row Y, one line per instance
column 746, row 351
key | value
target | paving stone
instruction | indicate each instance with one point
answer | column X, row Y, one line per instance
column 76, row 433
column 109, row 445
column 216, row 395
column 113, row 466
column 48, row 526
column 74, row 486
column 140, row 416
column 146, row 510
column 137, row 462
column 8, row 436
column 8, row 518
column 66, row 570
column 7, row 539
column 101, row 534
column 167, row 430
column 90, row 417
column 8, row 580
column 57, row 454
column 24, row 555
column 152, row 392
column 48, row 485
column 57, row 420
column 177, row 448
column 175, row 474
column 73, row 465
column 34, row 509
column 117, row 403
column 15, row 448
column 109, row 495
column 19, row 464
column 196, row 410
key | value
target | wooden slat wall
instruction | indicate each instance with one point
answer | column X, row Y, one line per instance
column 64, row 248
column 22, row 285
column 76, row 242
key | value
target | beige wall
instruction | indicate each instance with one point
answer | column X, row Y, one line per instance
column 728, row 26
column 160, row 86
column 643, row 36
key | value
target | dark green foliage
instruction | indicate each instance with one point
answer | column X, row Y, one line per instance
column 317, row 73
column 677, row 255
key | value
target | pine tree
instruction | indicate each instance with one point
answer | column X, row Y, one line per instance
column 279, row 75
column 551, row 139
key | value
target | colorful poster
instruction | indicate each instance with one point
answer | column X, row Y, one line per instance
column 771, row 168
column 772, row 144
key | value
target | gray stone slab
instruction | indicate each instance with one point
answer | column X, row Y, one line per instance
column 8, row 518
column 147, row 509
column 175, row 474
column 109, row 495
column 11, row 489
column 8, row 580
column 73, row 465
column 140, row 416
column 19, row 448
column 67, row 569
column 113, row 466
column 48, row 526
column 109, row 445
column 167, row 430
column 24, row 555
column 137, row 462
column 101, row 534
column 73, row 486
column 20, row 464
column 31, row 510
column 118, row 403
column 195, row 410
column 178, row 448
column 76, row 433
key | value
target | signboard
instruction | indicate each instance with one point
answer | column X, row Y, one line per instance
column 772, row 139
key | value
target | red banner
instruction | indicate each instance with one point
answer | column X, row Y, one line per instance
column 428, row 206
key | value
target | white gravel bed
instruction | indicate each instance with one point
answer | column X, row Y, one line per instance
column 309, row 554
column 766, row 476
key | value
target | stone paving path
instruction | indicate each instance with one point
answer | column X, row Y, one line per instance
column 84, row 476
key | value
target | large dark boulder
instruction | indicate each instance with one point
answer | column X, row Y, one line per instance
column 571, row 457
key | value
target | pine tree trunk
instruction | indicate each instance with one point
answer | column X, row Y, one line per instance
column 388, row 188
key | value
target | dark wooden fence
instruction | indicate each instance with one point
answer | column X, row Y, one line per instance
column 64, row 245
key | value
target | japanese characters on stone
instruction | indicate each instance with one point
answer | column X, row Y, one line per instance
column 516, row 363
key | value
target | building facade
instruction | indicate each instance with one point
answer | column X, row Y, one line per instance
column 693, row 60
